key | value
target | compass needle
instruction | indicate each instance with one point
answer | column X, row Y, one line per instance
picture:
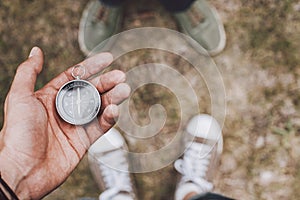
column 73, row 101
column 78, row 101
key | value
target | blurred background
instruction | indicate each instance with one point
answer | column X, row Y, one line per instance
column 260, row 67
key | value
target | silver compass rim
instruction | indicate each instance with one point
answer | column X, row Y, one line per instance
column 78, row 122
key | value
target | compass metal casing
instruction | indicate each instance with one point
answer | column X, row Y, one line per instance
column 78, row 102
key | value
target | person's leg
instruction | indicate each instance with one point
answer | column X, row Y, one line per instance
column 112, row 2
column 100, row 20
column 176, row 5
column 200, row 159
column 109, row 166
column 209, row 196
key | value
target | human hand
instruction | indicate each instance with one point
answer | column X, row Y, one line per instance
column 38, row 150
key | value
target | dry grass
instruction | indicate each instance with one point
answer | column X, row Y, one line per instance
column 261, row 71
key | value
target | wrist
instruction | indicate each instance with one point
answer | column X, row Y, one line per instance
column 6, row 192
column 11, row 173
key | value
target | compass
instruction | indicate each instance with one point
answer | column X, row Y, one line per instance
column 78, row 101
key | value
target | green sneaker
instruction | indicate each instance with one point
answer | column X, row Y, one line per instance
column 202, row 22
column 98, row 23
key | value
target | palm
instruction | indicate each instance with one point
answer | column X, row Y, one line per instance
column 44, row 146
column 45, row 141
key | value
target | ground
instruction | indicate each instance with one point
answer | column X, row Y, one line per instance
column 260, row 67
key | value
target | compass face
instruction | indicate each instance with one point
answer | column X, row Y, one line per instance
column 78, row 102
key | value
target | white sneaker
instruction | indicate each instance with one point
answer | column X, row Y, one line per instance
column 109, row 166
column 200, row 158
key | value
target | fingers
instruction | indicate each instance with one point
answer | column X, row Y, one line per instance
column 103, row 124
column 25, row 78
column 109, row 117
column 111, row 85
column 92, row 66
column 115, row 91
column 110, row 111
column 108, row 80
column 116, row 95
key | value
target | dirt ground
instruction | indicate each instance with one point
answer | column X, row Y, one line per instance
column 260, row 67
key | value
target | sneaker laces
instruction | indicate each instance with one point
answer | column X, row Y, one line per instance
column 115, row 180
column 194, row 165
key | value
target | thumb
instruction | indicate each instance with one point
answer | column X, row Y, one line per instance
column 25, row 78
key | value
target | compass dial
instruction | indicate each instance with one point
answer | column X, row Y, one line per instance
column 78, row 102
